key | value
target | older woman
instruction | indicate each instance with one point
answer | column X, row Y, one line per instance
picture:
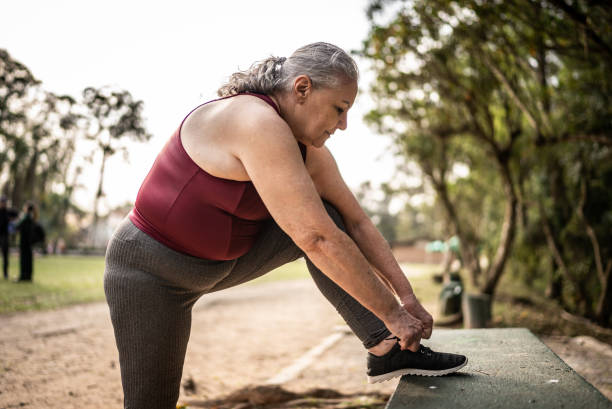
column 243, row 186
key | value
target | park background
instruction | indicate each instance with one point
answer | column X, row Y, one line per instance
column 481, row 128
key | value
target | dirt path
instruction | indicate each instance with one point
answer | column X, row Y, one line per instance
column 67, row 358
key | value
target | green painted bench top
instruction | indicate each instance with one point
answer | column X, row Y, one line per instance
column 507, row 368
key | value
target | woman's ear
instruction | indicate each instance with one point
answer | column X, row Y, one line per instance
column 302, row 87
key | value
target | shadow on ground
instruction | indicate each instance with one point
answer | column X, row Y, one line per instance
column 275, row 396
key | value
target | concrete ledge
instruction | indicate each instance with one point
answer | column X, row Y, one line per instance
column 507, row 368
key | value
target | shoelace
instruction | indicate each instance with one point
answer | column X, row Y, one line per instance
column 390, row 338
column 422, row 349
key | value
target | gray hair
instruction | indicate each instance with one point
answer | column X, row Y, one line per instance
column 326, row 65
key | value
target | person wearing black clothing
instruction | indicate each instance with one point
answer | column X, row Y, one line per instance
column 6, row 215
column 25, row 226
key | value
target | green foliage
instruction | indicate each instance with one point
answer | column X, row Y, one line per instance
column 44, row 138
column 519, row 92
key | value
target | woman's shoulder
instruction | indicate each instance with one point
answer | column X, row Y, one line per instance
column 215, row 134
column 252, row 110
column 231, row 114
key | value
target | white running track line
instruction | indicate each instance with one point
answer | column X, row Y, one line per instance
column 304, row 361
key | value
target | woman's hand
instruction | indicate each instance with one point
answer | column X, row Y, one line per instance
column 414, row 307
column 407, row 328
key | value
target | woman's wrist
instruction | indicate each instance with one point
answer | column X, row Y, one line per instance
column 394, row 313
column 408, row 299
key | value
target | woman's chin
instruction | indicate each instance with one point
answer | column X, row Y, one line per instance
column 321, row 141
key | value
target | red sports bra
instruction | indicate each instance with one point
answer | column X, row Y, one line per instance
column 191, row 211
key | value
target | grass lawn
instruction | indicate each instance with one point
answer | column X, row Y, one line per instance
column 65, row 280
column 57, row 281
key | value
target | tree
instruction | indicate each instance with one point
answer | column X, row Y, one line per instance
column 42, row 136
column 114, row 118
column 60, row 180
column 503, row 88
column 435, row 107
column 38, row 133
column 15, row 82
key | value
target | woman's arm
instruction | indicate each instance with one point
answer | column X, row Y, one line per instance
column 377, row 251
column 269, row 153
column 360, row 228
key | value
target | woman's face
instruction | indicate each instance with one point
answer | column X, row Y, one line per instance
column 320, row 112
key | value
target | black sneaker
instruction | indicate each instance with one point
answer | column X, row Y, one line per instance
column 424, row 362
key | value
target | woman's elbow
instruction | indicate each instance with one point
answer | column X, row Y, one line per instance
column 316, row 240
column 311, row 241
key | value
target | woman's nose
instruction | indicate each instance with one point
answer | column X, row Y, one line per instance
column 343, row 122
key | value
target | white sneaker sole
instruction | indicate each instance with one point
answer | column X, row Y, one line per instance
column 417, row 372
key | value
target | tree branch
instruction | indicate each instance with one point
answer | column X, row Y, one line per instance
column 603, row 305
column 479, row 131
column 508, row 231
column 596, row 138
column 552, row 244
column 446, row 132
column 508, row 87
column 591, row 233
column 583, row 21
column 470, row 259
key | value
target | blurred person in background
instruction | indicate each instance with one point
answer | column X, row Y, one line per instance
column 6, row 217
column 26, row 226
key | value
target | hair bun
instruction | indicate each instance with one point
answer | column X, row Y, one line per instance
column 279, row 63
column 326, row 64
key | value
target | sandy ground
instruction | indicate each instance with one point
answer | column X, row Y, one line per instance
column 67, row 358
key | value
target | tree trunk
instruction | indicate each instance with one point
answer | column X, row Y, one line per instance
column 604, row 305
column 17, row 192
column 555, row 283
column 553, row 246
column 99, row 194
column 30, row 176
column 603, row 275
column 583, row 299
column 66, row 200
column 466, row 247
column 508, row 231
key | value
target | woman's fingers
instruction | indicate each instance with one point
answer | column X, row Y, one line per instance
column 407, row 328
column 410, row 345
column 414, row 307
column 427, row 330
column 427, row 322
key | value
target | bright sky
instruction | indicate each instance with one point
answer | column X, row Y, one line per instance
column 174, row 55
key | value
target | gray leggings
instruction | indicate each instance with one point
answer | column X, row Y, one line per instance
column 151, row 290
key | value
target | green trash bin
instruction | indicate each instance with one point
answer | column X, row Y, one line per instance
column 449, row 301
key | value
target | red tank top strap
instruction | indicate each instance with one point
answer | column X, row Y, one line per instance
column 263, row 97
